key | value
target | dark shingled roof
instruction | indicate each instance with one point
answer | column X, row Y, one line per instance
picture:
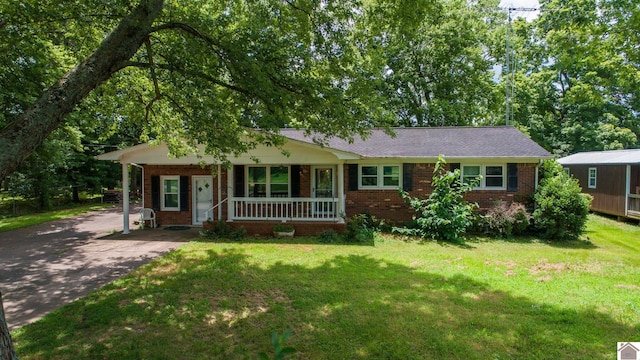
column 452, row 142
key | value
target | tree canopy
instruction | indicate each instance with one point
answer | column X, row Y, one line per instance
column 577, row 83
column 207, row 72
column 187, row 73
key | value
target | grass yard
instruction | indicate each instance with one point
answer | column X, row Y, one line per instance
column 17, row 222
column 395, row 300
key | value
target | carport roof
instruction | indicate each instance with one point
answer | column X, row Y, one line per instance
column 610, row 157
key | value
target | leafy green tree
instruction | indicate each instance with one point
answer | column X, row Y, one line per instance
column 561, row 207
column 185, row 73
column 189, row 72
column 577, row 85
column 436, row 70
column 444, row 215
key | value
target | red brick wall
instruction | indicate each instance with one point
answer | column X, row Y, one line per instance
column 387, row 204
column 305, row 181
column 384, row 204
column 526, row 186
column 174, row 217
column 265, row 228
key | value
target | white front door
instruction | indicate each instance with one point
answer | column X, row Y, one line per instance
column 202, row 189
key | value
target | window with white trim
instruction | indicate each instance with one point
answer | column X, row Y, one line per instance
column 593, row 176
column 170, row 193
column 379, row 176
column 268, row 181
column 493, row 176
column 470, row 172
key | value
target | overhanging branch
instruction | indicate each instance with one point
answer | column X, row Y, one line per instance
column 197, row 74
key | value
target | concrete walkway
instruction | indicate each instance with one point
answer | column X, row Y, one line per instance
column 45, row 266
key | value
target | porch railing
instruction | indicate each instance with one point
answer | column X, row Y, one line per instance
column 300, row 209
column 209, row 213
column 633, row 205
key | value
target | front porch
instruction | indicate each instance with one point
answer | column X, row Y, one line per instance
column 633, row 206
column 284, row 209
column 308, row 216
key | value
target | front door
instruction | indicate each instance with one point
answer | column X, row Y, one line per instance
column 323, row 188
column 202, row 198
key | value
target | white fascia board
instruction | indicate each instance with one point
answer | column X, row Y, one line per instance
column 298, row 153
column 452, row 159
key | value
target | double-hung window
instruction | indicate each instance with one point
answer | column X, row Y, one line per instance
column 170, row 193
column 493, row 176
column 593, row 176
column 379, row 176
column 268, row 181
column 470, row 172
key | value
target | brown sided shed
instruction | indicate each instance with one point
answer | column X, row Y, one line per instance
column 611, row 177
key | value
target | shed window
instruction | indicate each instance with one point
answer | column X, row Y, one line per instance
column 593, row 175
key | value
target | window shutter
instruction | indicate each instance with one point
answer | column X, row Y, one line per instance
column 407, row 177
column 295, row 180
column 238, row 181
column 453, row 167
column 353, row 177
column 512, row 177
column 155, row 192
column 184, row 193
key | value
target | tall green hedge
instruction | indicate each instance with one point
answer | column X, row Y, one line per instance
column 561, row 207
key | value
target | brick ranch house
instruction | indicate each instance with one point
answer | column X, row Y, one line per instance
column 316, row 186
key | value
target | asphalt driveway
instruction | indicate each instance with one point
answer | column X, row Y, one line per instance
column 45, row 266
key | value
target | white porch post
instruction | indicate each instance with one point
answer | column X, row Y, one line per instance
column 230, row 192
column 219, row 192
column 125, row 198
column 627, row 191
column 341, row 196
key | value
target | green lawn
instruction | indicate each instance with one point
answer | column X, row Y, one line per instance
column 17, row 222
column 395, row 300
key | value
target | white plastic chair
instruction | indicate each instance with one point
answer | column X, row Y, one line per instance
column 148, row 215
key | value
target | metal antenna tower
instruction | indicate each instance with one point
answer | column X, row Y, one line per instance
column 510, row 67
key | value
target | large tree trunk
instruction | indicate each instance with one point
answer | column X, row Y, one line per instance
column 6, row 345
column 21, row 137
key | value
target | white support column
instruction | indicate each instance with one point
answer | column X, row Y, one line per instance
column 230, row 192
column 627, row 191
column 341, row 196
column 219, row 192
column 125, row 198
